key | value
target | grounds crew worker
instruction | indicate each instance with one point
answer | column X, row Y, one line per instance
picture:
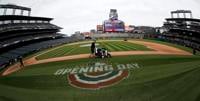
column 21, row 61
column 92, row 48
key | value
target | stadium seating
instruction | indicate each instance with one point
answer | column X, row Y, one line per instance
column 24, row 26
column 11, row 56
column 21, row 35
column 182, row 30
column 27, row 38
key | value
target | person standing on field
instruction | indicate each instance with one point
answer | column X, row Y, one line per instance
column 92, row 48
column 21, row 61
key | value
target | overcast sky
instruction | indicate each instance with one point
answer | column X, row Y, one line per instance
column 83, row 15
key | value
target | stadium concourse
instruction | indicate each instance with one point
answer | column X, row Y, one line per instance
column 159, row 49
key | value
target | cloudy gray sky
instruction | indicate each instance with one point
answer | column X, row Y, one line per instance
column 83, row 15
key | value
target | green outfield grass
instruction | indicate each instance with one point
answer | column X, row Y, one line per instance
column 159, row 78
column 81, row 49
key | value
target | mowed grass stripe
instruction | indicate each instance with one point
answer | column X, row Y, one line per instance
column 138, row 46
column 82, row 50
column 63, row 51
column 181, row 81
column 130, row 47
column 55, row 53
column 123, row 46
column 60, row 52
column 110, row 48
column 72, row 49
column 102, row 44
column 117, row 45
column 114, row 47
column 75, row 49
column 133, row 46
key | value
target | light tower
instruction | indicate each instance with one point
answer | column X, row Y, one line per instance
column 183, row 12
column 14, row 8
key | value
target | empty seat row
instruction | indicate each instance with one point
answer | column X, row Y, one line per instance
column 12, row 27
column 12, row 56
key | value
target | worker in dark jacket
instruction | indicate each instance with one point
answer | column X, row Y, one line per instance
column 21, row 61
column 92, row 48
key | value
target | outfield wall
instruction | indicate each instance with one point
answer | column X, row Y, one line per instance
column 118, row 35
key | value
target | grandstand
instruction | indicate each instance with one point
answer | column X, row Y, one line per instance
column 182, row 29
column 22, row 34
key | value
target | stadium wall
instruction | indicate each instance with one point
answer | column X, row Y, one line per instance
column 118, row 35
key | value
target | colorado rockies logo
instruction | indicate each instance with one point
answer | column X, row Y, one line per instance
column 98, row 76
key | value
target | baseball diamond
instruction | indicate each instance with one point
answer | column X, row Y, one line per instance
column 147, row 68
column 114, row 62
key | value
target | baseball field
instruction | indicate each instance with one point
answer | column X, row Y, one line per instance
column 139, row 70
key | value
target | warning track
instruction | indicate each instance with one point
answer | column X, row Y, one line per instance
column 158, row 49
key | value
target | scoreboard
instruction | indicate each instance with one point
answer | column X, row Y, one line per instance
column 114, row 26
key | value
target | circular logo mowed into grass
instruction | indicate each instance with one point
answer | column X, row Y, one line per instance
column 97, row 80
column 96, row 75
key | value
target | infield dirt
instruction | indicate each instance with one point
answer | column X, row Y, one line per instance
column 158, row 49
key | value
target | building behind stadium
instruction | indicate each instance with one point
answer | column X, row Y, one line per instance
column 115, row 28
